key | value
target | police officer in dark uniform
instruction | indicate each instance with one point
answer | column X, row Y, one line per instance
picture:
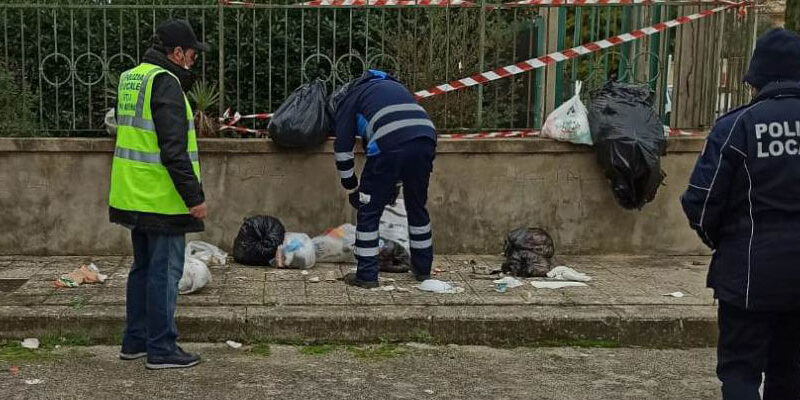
column 744, row 202
column 400, row 144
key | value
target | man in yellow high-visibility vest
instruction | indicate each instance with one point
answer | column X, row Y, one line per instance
column 156, row 190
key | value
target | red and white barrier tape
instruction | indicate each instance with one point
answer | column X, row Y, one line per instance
column 379, row 3
column 610, row 2
column 552, row 58
column 466, row 3
column 524, row 133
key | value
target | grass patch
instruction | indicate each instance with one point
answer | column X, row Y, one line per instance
column 12, row 351
column 383, row 351
column 50, row 341
column 318, row 350
column 260, row 349
column 583, row 343
column 76, row 303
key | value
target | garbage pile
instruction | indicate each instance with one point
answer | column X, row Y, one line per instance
column 258, row 240
column 529, row 253
column 196, row 274
column 304, row 119
column 629, row 141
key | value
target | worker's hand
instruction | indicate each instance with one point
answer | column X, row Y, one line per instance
column 354, row 199
column 199, row 211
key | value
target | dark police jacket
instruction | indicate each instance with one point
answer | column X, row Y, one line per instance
column 744, row 201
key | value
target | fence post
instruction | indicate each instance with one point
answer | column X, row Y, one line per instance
column 481, row 63
column 221, row 61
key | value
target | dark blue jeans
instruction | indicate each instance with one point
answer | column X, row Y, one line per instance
column 153, row 292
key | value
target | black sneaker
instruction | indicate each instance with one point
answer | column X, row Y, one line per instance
column 130, row 355
column 180, row 359
column 352, row 280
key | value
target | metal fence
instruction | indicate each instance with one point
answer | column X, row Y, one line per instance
column 67, row 54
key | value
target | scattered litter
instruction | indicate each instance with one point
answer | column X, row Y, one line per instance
column 388, row 288
column 675, row 294
column 233, row 345
column 437, row 271
column 629, row 140
column 501, row 287
column 85, row 274
column 510, row 282
column 429, row 391
column 304, row 272
column 569, row 122
column 33, row 381
column 196, row 274
column 30, row 343
column 403, row 290
column 211, row 255
column 258, row 240
column 336, row 244
column 297, row 251
column 382, row 279
column 13, row 370
column 556, row 284
column 330, row 276
column 314, row 279
column 563, row 273
column 529, row 252
column 437, row 286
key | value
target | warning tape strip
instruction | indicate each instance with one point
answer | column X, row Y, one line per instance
column 388, row 3
column 612, row 2
column 466, row 3
column 477, row 135
column 556, row 57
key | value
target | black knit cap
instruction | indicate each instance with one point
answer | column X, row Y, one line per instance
column 776, row 58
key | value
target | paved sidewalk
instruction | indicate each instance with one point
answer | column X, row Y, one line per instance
column 624, row 302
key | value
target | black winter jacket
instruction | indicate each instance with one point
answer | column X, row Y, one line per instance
column 743, row 200
column 169, row 117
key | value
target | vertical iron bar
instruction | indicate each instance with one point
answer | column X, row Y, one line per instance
column 73, row 68
column 481, row 63
column 221, row 57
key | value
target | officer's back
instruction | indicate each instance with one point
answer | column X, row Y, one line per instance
column 743, row 200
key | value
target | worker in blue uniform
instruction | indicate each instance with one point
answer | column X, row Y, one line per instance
column 400, row 144
column 743, row 200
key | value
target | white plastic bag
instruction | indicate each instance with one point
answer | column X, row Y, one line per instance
column 208, row 253
column 394, row 224
column 196, row 275
column 111, row 122
column 297, row 251
column 570, row 121
column 336, row 245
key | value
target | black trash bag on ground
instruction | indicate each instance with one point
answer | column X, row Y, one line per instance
column 258, row 240
column 304, row 119
column 529, row 253
column 629, row 141
column 393, row 258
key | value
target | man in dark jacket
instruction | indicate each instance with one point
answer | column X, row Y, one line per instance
column 400, row 143
column 744, row 202
column 156, row 190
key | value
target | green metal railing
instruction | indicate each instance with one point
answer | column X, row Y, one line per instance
column 68, row 54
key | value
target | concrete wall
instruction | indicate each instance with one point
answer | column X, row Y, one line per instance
column 53, row 196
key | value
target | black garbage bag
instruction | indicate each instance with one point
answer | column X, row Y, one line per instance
column 258, row 240
column 529, row 253
column 629, row 141
column 304, row 119
column 393, row 257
